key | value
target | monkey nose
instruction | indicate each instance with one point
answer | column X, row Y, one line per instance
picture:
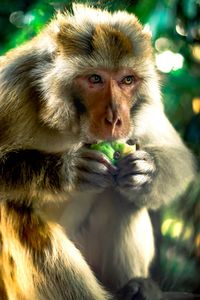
column 112, row 119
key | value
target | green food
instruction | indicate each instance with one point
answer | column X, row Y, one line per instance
column 114, row 150
column 105, row 148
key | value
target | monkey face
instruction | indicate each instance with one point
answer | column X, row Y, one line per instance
column 92, row 76
column 106, row 98
column 104, row 62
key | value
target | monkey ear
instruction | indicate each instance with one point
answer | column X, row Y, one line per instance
column 64, row 34
column 147, row 39
column 58, row 28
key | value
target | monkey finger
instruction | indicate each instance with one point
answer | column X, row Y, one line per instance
column 137, row 155
column 96, row 167
column 92, row 166
column 136, row 167
column 94, row 180
column 99, row 157
column 134, row 182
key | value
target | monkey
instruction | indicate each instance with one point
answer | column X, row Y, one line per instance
column 72, row 224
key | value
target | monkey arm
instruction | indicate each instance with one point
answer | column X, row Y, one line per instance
column 175, row 164
column 175, row 170
column 35, row 172
column 162, row 169
column 30, row 170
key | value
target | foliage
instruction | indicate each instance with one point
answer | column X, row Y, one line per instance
column 175, row 27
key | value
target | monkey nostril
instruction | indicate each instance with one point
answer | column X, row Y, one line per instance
column 107, row 121
column 118, row 122
column 112, row 118
column 113, row 122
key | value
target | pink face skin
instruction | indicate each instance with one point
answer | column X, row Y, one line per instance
column 108, row 97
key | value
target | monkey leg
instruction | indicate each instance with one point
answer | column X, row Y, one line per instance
column 38, row 262
column 141, row 289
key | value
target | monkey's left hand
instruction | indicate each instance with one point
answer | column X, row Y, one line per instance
column 136, row 173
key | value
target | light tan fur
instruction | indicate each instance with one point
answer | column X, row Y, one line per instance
column 99, row 238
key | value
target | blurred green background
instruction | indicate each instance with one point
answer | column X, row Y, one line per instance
column 175, row 28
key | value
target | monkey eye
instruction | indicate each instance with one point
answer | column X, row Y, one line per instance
column 94, row 78
column 128, row 80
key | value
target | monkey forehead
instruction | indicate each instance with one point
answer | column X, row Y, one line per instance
column 101, row 36
column 66, row 70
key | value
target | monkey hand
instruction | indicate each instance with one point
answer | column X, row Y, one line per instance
column 94, row 169
column 136, row 172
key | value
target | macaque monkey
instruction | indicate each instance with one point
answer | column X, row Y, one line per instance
column 73, row 225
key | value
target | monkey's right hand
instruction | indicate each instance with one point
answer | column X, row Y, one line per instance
column 95, row 171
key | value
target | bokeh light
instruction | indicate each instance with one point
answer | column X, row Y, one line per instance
column 168, row 61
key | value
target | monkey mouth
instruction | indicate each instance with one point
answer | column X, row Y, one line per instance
column 93, row 140
column 88, row 144
column 96, row 141
column 89, row 137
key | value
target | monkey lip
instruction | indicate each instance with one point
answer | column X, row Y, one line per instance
column 90, row 141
